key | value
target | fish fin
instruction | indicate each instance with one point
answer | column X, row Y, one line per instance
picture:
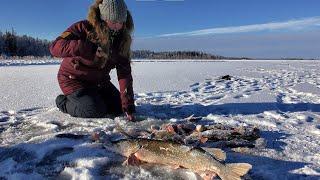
column 219, row 154
column 203, row 140
column 132, row 160
column 207, row 175
column 235, row 171
column 122, row 131
column 175, row 167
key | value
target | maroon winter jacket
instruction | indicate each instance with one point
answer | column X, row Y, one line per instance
column 74, row 48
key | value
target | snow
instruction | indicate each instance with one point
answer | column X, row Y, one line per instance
column 281, row 98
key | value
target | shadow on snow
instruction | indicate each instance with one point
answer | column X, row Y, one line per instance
column 183, row 111
column 268, row 168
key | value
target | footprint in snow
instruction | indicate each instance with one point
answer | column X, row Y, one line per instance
column 240, row 96
column 309, row 119
column 4, row 119
column 49, row 166
column 5, row 116
column 195, row 89
column 247, row 92
column 206, row 88
column 7, row 113
column 29, row 110
column 19, row 115
column 216, row 97
column 52, row 156
column 195, row 85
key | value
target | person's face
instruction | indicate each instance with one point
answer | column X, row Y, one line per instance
column 115, row 26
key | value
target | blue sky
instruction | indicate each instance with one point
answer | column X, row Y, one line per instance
column 209, row 25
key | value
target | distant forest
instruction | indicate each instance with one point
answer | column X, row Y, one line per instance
column 146, row 54
column 15, row 46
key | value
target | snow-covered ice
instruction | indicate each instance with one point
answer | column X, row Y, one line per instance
column 281, row 98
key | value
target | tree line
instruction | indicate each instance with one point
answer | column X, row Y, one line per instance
column 146, row 54
column 13, row 45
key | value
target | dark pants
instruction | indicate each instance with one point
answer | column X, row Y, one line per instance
column 93, row 102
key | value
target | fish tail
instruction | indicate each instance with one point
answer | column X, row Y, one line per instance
column 235, row 171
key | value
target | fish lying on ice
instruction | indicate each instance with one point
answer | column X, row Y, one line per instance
column 177, row 155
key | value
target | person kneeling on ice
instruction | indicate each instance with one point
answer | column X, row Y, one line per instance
column 90, row 49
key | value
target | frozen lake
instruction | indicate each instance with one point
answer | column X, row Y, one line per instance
column 37, row 86
column 281, row 98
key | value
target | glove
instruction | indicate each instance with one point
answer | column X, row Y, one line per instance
column 130, row 117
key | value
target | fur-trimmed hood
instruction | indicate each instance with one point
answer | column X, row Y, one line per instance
column 100, row 31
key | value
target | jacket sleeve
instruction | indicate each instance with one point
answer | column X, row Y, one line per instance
column 73, row 42
column 126, row 84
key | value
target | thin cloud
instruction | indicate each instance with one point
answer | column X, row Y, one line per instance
column 288, row 25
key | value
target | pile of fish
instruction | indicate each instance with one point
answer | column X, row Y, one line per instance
column 184, row 145
column 217, row 135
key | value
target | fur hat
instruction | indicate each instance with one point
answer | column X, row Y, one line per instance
column 113, row 10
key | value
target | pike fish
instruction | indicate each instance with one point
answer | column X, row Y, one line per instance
column 177, row 155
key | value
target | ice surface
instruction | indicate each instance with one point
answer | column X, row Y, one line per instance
column 282, row 98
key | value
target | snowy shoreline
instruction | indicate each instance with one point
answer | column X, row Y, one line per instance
column 21, row 62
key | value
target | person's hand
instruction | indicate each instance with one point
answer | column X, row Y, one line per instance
column 100, row 53
column 100, row 58
column 130, row 117
column 75, row 63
